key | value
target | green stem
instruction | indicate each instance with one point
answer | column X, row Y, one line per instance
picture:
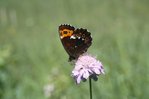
column 90, row 86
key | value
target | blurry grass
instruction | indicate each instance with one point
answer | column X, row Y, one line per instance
column 31, row 54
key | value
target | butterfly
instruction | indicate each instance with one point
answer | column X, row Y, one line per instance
column 76, row 41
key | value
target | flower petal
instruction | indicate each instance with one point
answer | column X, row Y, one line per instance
column 78, row 80
column 86, row 74
column 97, row 71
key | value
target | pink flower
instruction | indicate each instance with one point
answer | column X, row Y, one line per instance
column 87, row 66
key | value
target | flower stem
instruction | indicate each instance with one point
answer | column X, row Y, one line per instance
column 90, row 86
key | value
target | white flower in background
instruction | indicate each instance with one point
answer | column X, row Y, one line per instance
column 48, row 89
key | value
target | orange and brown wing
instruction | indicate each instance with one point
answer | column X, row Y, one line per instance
column 75, row 42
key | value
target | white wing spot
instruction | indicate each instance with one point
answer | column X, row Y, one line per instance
column 79, row 37
column 72, row 37
column 61, row 37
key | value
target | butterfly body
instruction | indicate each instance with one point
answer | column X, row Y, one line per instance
column 75, row 41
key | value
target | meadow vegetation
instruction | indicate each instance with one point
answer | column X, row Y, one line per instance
column 34, row 64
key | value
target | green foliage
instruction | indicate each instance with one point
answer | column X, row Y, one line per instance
column 32, row 58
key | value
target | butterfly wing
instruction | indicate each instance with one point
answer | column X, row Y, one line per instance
column 75, row 42
column 83, row 41
column 65, row 32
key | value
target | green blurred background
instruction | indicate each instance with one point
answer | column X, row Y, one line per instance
column 33, row 62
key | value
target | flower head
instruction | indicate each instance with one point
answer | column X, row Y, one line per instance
column 87, row 66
